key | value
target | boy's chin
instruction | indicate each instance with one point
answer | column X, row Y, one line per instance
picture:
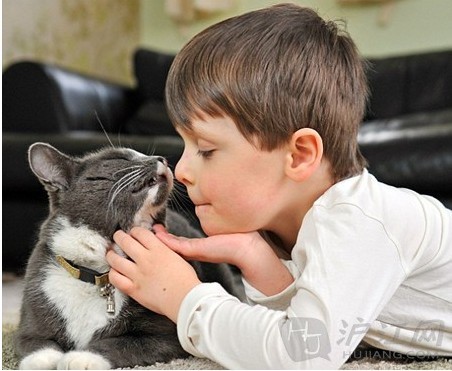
column 211, row 229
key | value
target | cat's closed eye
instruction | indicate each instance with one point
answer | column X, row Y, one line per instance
column 95, row 178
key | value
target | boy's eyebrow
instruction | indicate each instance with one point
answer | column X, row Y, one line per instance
column 200, row 131
column 193, row 133
column 196, row 130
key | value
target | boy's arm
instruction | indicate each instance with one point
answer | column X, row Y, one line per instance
column 279, row 301
column 343, row 286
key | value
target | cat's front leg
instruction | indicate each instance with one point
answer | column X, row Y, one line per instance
column 83, row 360
column 43, row 359
column 52, row 359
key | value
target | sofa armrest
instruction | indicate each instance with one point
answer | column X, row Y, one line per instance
column 43, row 98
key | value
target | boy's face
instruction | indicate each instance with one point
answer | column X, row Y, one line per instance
column 235, row 186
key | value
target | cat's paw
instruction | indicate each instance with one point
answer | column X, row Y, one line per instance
column 44, row 359
column 79, row 360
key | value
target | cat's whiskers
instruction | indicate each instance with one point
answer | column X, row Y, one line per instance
column 125, row 177
column 180, row 189
column 123, row 183
column 149, row 151
column 126, row 169
column 103, row 129
column 179, row 197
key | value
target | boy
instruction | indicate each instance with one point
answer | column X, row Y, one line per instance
column 269, row 104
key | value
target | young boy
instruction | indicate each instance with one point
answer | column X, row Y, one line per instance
column 269, row 104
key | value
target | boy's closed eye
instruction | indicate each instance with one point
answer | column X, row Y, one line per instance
column 205, row 153
column 205, row 148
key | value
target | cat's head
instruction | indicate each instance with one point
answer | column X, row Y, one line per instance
column 111, row 189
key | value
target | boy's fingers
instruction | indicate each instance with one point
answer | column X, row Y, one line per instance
column 213, row 249
column 180, row 245
column 120, row 264
column 128, row 244
column 145, row 237
column 121, row 282
column 119, row 237
column 158, row 228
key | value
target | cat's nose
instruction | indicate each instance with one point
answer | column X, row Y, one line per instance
column 162, row 160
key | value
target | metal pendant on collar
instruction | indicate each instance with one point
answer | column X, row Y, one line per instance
column 108, row 291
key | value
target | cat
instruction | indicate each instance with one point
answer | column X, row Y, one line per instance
column 71, row 317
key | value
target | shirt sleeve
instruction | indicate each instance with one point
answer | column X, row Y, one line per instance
column 279, row 301
column 349, row 269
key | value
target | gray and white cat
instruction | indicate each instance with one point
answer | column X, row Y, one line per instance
column 71, row 317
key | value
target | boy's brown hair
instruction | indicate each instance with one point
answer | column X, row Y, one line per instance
column 274, row 71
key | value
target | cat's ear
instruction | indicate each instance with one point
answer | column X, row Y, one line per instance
column 52, row 167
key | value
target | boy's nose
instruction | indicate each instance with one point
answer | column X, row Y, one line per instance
column 182, row 173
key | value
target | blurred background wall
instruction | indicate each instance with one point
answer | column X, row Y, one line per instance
column 380, row 28
column 92, row 36
column 99, row 36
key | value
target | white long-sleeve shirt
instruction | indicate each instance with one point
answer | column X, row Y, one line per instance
column 371, row 262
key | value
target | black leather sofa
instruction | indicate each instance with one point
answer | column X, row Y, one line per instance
column 406, row 135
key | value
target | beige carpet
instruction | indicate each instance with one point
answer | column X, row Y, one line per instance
column 10, row 362
column 11, row 294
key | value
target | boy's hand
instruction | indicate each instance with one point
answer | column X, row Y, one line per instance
column 157, row 277
column 259, row 264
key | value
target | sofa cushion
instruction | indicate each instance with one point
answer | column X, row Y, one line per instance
column 430, row 82
column 151, row 69
column 150, row 119
column 409, row 84
column 384, row 76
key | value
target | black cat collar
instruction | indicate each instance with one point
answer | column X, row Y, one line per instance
column 82, row 273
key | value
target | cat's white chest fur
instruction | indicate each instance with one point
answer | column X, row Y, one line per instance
column 78, row 302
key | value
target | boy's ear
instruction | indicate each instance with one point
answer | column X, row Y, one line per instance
column 305, row 154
